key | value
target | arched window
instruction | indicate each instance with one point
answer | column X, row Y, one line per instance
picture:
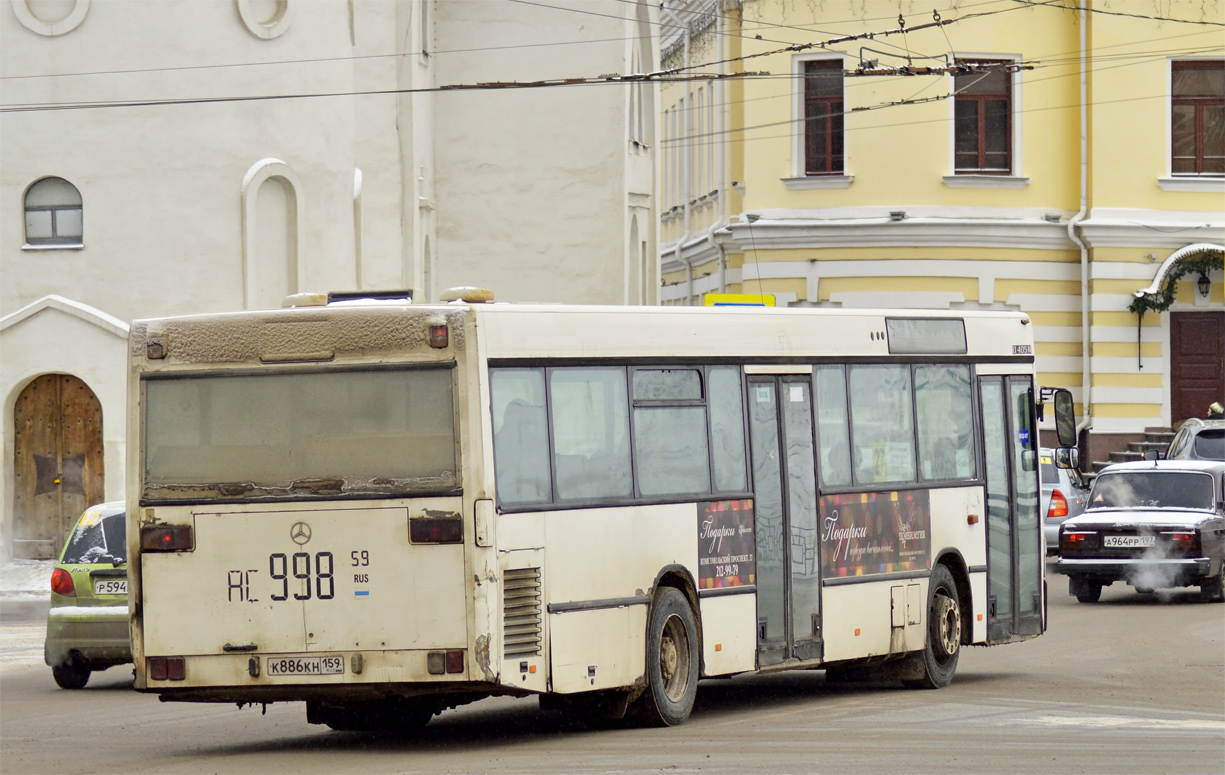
column 53, row 213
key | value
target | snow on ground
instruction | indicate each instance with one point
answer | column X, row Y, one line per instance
column 26, row 578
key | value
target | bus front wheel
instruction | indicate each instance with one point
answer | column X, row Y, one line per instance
column 671, row 662
column 943, row 647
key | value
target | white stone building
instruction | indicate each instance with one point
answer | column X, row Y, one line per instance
column 172, row 158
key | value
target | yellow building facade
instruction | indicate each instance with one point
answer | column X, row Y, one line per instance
column 1068, row 162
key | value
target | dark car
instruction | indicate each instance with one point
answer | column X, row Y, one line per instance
column 1198, row 440
column 87, row 624
column 1152, row 524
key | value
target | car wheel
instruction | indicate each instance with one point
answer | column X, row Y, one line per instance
column 671, row 662
column 1089, row 592
column 1213, row 589
column 71, row 675
column 939, row 656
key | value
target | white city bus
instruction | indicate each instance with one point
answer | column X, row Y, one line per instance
column 385, row 509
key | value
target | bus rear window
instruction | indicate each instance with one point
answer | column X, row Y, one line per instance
column 295, row 435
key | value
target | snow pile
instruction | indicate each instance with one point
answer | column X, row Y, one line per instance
column 26, row 579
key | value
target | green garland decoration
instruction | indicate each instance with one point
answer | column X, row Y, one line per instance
column 1164, row 298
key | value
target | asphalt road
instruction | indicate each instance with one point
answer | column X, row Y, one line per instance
column 1133, row 684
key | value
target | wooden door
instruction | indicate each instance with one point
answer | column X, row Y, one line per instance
column 58, row 462
column 1197, row 363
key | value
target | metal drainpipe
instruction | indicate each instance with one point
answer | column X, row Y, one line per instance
column 721, row 181
column 1086, row 388
column 685, row 175
column 678, row 251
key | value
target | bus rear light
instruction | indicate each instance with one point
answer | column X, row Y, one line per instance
column 166, row 668
column 1059, row 506
column 438, row 336
column 435, row 663
column 166, row 538
column 440, row 662
column 436, row 530
column 61, row 583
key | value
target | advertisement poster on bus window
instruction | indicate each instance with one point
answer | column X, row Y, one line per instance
column 875, row 532
column 726, row 544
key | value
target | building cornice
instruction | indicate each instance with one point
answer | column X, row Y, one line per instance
column 900, row 230
column 1122, row 227
column 92, row 315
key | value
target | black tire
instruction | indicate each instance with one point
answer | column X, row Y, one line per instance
column 386, row 716
column 1090, row 592
column 671, row 662
column 71, row 675
column 943, row 647
column 1213, row 589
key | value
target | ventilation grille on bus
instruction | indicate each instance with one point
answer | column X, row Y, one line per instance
column 521, row 612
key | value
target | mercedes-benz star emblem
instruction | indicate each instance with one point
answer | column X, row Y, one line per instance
column 300, row 533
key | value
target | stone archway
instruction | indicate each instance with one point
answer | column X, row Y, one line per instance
column 58, row 462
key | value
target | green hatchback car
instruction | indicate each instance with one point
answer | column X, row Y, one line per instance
column 87, row 625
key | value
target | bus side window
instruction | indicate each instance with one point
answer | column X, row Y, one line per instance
column 670, row 442
column 727, row 429
column 882, row 424
column 520, row 435
column 945, row 412
column 835, row 462
column 590, row 423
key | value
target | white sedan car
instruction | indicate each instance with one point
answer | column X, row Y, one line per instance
column 1152, row 524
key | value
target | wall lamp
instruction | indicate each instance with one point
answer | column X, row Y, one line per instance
column 1204, row 284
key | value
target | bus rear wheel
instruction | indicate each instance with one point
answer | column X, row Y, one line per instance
column 671, row 662
column 943, row 647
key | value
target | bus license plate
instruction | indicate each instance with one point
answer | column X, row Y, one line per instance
column 1129, row 542
column 111, row 587
column 306, row 666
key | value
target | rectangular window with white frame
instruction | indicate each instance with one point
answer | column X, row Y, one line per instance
column 824, row 130
column 1197, row 118
column 982, row 119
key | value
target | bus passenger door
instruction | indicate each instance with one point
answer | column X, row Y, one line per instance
column 785, row 506
column 1014, row 543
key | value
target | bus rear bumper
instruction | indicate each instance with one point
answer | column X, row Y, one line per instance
column 332, row 676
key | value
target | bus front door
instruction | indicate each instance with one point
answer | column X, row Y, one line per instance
column 785, row 506
column 1014, row 541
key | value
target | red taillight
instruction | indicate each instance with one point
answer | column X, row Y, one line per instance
column 166, row 668
column 1058, row 507
column 1069, row 541
column 165, row 538
column 438, row 336
column 455, row 661
column 436, row 530
column 61, row 582
column 1187, row 543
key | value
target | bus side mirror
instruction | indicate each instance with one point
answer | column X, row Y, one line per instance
column 1067, row 457
column 1065, row 418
